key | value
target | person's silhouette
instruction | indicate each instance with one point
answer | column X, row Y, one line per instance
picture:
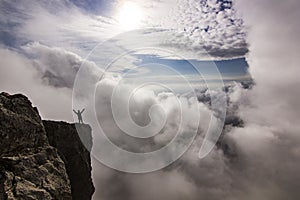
column 78, row 113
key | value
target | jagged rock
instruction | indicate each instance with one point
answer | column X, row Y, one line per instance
column 29, row 167
column 40, row 175
column 65, row 138
column 21, row 127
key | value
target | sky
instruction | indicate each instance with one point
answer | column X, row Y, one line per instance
column 151, row 75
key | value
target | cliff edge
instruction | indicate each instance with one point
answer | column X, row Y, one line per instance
column 65, row 139
column 35, row 164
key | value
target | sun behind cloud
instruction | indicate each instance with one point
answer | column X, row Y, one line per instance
column 129, row 15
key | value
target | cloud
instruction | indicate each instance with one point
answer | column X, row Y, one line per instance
column 58, row 66
column 268, row 143
column 265, row 157
column 58, row 23
column 212, row 25
column 196, row 26
column 166, row 114
column 19, row 75
column 192, row 25
column 46, row 75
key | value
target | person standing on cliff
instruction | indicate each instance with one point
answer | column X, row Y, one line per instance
column 78, row 113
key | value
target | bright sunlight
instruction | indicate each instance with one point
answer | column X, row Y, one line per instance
column 129, row 15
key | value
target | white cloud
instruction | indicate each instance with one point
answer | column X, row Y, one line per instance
column 63, row 25
column 201, row 24
column 47, row 78
column 58, row 23
column 268, row 142
column 266, row 161
column 19, row 75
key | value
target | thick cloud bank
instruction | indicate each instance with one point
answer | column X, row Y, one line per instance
column 260, row 158
column 44, row 74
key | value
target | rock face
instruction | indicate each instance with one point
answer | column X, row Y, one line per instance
column 64, row 137
column 30, row 166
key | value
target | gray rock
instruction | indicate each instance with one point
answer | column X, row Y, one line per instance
column 29, row 167
column 21, row 128
column 76, row 156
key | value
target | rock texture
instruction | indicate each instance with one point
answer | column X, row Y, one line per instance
column 65, row 138
column 34, row 166
column 29, row 167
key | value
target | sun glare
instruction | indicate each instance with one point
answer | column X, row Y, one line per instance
column 129, row 15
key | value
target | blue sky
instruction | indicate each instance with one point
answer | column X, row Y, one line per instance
column 227, row 68
column 177, row 72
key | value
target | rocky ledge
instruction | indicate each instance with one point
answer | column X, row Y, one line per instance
column 76, row 156
column 41, row 159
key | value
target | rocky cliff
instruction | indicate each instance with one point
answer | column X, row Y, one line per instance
column 64, row 137
column 39, row 165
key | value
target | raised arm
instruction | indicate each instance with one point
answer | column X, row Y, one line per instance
column 75, row 111
column 82, row 110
